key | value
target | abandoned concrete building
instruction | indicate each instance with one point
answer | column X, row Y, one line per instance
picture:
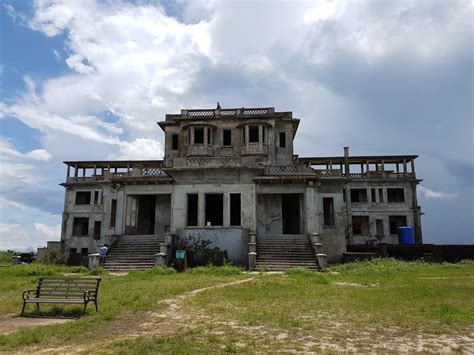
column 231, row 176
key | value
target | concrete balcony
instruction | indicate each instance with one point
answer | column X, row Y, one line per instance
column 200, row 150
column 380, row 206
column 254, row 149
column 213, row 163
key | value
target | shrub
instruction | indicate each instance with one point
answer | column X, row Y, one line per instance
column 99, row 270
column 33, row 269
column 52, row 257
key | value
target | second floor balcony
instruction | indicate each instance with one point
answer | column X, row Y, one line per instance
column 254, row 148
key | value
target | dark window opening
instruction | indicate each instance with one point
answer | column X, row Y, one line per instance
column 174, row 142
column 358, row 195
column 146, row 214
column 253, row 134
column 226, row 137
column 380, row 195
column 282, row 140
column 97, row 228
column 84, row 251
column 379, row 226
column 395, row 195
column 235, row 209
column 198, row 135
column 192, row 209
column 96, row 197
column 73, row 250
column 374, row 197
column 215, row 209
column 264, row 134
column 80, row 227
column 360, row 225
column 83, row 198
column 113, row 213
column 290, row 205
column 328, row 211
column 395, row 222
column 343, row 195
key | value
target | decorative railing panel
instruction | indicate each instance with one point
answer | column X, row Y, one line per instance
column 87, row 208
column 289, row 170
column 382, row 175
column 396, row 206
column 329, row 173
column 84, row 180
column 213, row 162
column 228, row 112
column 200, row 150
column 254, row 148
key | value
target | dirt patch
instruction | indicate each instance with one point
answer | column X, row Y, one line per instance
column 11, row 323
column 352, row 284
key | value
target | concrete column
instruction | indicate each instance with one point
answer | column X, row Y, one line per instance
column 247, row 134
column 191, row 132
column 75, row 171
column 93, row 260
column 412, row 166
column 68, row 170
column 310, row 209
column 317, row 210
column 367, row 167
column 201, row 209
column 226, row 214
column 120, row 216
column 205, row 135
column 260, row 134
column 404, row 166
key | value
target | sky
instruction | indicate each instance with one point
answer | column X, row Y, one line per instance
column 89, row 79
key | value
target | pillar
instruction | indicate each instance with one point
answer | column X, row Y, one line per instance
column 201, row 210
column 310, row 208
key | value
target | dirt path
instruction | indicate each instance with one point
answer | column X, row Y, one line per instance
column 10, row 323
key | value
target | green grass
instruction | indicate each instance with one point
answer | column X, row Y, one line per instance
column 386, row 298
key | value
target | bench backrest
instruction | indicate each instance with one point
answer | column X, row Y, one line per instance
column 67, row 287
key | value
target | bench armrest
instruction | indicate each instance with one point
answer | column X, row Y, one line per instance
column 26, row 294
column 88, row 295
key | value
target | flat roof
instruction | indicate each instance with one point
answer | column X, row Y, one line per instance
column 360, row 159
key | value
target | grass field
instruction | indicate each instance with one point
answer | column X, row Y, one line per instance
column 382, row 305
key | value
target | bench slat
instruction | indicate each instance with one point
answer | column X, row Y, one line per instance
column 55, row 300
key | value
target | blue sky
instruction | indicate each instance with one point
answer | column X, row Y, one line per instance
column 88, row 79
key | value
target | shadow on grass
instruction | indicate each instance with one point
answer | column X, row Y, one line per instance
column 56, row 312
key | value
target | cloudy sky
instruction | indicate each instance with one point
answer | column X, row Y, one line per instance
column 89, row 79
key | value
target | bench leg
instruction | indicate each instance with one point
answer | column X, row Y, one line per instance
column 37, row 306
column 96, row 309
column 23, row 309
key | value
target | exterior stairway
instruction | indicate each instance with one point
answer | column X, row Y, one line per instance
column 281, row 252
column 133, row 252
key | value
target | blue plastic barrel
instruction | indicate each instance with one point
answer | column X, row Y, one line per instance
column 405, row 235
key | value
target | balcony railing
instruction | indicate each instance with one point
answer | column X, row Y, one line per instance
column 259, row 111
column 382, row 175
column 213, row 163
column 367, row 206
column 254, row 148
column 289, row 170
column 200, row 150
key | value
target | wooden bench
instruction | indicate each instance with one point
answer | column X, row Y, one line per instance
column 66, row 290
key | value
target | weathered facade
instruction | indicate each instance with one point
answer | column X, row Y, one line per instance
column 231, row 176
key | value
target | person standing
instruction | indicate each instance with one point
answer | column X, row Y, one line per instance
column 103, row 250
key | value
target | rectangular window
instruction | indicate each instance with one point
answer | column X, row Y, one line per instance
column 360, row 225
column 235, row 209
column 358, row 195
column 84, row 251
column 192, row 209
column 209, row 136
column 174, row 142
column 215, row 209
column 379, row 226
column 72, row 250
column 264, row 134
column 198, row 135
column 113, row 212
column 380, row 195
column 395, row 222
column 253, row 134
column 344, row 195
column 328, row 211
column 80, row 226
column 395, row 195
column 83, row 198
column 226, row 137
column 97, row 228
column 282, row 140
column 96, row 197
column 374, row 196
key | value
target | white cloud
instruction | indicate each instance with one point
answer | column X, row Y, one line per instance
column 438, row 195
column 139, row 149
column 6, row 149
column 17, row 237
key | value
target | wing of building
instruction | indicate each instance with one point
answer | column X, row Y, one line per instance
column 231, row 176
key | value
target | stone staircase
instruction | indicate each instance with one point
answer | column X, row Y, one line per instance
column 133, row 252
column 281, row 252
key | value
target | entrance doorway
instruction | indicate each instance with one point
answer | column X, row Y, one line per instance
column 140, row 218
column 290, row 211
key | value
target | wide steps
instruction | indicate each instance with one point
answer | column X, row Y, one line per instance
column 282, row 252
column 135, row 252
